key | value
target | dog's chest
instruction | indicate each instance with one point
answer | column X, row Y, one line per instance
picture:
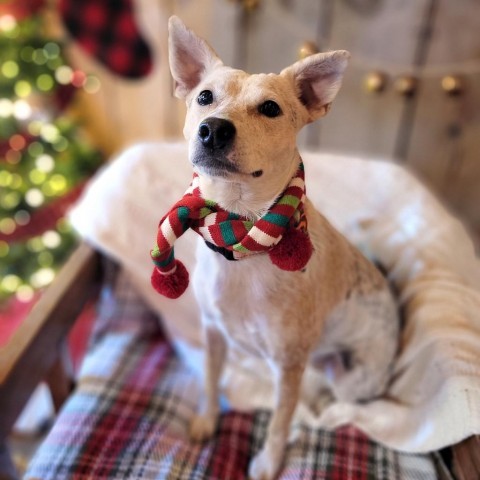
column 236, row 297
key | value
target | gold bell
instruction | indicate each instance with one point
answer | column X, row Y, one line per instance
column 306, row 49
column 250, row 5
column 406, row 85
column 375, row 82
column 452, row 85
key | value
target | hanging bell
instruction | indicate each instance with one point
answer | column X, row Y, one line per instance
column 375, row 82
column 249, row 5
column 452, row 85
column 306, row 49
column 406, row 85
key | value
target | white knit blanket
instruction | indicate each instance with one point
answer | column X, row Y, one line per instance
column 434, row 397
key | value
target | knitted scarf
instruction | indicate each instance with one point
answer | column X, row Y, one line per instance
column 281, row 232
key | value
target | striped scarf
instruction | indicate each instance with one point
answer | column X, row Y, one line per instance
column 231, row 235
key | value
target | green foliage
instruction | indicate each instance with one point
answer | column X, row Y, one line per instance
column 43, row 155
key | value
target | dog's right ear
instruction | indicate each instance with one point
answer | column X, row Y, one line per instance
column 190, row 57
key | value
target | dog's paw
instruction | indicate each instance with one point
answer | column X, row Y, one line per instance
column 202, row 427
column 264, row 466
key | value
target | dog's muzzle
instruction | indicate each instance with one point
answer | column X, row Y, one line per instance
column 216, row 133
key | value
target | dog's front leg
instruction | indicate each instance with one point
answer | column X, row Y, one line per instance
column 268, row 461
column 204, row 423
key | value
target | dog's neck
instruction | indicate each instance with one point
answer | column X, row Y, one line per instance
column 250, row 198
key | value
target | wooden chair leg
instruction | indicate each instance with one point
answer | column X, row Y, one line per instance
column 7, row 469
column 466, row 459
column 59, row 381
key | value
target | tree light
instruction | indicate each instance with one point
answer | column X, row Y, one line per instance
column 6, row 107
column 11, row 282
column 51, row 239
column 7, row 23
column 37, row 177
column 45, row 82
column 23, row 88
column 45, row 163
column 92, row 84
column 24, row 293
column 17, row 142
column 49, row 132
column 21, row 110
column 7, row 226
column 10, row 69
column 42, row 278
column 4, row 249
column 34, row 197
column 52, row 50
column 22, row 217
column 63, row 75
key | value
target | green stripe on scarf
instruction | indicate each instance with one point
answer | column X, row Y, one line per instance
column 204, row 211
column 183, row 213
column 277, row 219
column 227, row 233
column 240, row 248
column 164, row 263
column 289, row 200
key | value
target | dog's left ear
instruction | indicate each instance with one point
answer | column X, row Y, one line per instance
column 317, row 79
column 190, row 57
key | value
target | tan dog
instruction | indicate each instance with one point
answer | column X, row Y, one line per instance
column 337, row 314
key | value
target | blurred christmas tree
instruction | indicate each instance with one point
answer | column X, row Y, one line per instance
column 44, row 157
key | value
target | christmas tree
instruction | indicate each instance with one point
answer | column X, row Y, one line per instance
column 45, row 157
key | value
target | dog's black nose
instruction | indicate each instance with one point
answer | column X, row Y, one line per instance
column 216, row 133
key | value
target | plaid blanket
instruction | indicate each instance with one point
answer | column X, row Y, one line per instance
column 129, row 417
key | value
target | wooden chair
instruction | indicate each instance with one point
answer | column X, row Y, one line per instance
column 34, row 354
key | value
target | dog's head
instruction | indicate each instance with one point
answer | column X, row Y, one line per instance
column 242, row 128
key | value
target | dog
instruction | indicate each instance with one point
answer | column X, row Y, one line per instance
column 334, row 314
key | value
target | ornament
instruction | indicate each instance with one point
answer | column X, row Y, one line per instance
column 306, row 49
column 406, row 85
column 375, row 82
column 452, row 85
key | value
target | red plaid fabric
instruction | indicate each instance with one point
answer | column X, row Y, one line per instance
column 107, row 30
column 129, row 417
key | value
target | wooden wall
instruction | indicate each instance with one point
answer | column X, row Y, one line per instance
column 435, row 133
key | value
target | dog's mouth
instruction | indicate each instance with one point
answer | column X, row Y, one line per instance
column 218, row 165
column 214, row 165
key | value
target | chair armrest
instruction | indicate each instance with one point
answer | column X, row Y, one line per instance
column 466, row 459
column 35, row 345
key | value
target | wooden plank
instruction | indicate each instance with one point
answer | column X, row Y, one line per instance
column 35, row 346
column 7, row 469
column 466, row 459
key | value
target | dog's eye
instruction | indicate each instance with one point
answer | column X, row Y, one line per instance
column 270, row 109
column 205, row 98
